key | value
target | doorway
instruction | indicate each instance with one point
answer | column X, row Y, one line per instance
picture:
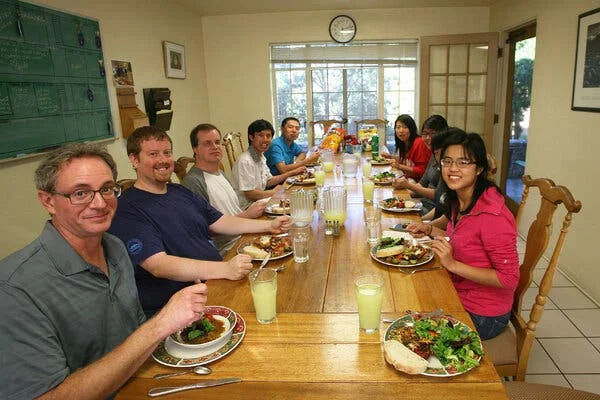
column 516, row 124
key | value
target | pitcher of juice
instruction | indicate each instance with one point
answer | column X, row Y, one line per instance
column 334, row 202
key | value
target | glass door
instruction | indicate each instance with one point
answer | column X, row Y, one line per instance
column 516, row 124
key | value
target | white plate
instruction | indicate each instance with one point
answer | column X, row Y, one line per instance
column 426, row 260
column 285, row 211
column 418, row 206
column 435, row 368
column 307, row 181
column 161, row 355
column 240, row 250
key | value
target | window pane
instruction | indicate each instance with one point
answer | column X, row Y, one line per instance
column 283, row 81
column 319, row 80
column 407, row 78
column 355, row 103
column 438, row 59
column 458, row 59
column 284, row 103
column 319, row 104
column 478, row 58
column 298, row 104
column 369, row 103
column 335, row 82
column 298, row 81
column 369, row 79
column 477, row 88
column 336, row 104
column 407, row 103
column 456, row 116
column 457, row 89
column 391, row 78
column 354, row 79
column 391, row 104
column 475, row 119
column 437, row 89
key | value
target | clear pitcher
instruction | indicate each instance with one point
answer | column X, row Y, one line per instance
column 334, row 199
column 302, row 206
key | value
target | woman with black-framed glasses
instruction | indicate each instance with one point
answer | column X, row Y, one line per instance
column 480, row 248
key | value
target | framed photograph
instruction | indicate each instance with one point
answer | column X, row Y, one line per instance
column 174, row 60
column 122, row 73
column 586, row 85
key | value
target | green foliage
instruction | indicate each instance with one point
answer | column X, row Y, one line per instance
column 521, row 91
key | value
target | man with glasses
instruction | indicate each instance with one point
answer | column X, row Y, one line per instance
column 284, row 154
column 167, row 228
column 206, row 179
column 72, row 325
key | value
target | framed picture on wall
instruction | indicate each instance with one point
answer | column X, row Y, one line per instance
column 586, row 85
column 174, row 60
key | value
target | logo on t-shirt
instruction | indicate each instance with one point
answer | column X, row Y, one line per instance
column 134, row 246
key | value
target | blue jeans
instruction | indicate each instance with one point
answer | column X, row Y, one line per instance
column 489, row 327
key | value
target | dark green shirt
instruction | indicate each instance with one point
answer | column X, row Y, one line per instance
column 58, row 313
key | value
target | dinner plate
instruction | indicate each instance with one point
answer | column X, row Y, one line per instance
column 383, row 182
column 425, row 261
column 418, row 206
column 161, row 355
column 382, row 162
column 285, row 211
column 435, row 367
column 240, row 250
column 307, row 181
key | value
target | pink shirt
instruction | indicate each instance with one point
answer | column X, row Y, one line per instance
column 486, row 237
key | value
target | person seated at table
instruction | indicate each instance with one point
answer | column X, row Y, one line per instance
column 413, row 155
column 206, row 179
column 426, row 187
column 481, row 254
column 167, row 228
column 250, row 175
column 283, row 149
column 72, row 326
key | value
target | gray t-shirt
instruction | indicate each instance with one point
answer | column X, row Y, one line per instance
column 430, row 180
column 59, row 313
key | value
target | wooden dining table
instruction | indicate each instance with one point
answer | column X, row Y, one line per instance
column 314, row 349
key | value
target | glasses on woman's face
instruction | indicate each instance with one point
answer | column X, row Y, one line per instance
column 459, row 162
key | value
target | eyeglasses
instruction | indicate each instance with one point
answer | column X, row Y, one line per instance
column 86, row 196
column 459, row 162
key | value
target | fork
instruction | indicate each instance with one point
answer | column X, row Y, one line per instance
column 414, row 271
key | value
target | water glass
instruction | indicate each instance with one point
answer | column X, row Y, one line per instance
column 366, row 168
column 373, row 231
column 302, row 206
column 349, row 165
column 369, row 294
column 263, row 284
column 372, row 213
column 300, row 237
column 368, row 187
column 319, row 176
column 327, row 160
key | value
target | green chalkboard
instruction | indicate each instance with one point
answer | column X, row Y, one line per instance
column 52, row 85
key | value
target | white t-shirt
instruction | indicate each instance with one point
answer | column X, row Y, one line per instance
column 249, row 174
column 221, row 194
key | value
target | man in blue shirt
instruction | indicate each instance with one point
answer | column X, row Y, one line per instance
column 284, row 154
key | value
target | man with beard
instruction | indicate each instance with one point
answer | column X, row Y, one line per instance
column 167, row 228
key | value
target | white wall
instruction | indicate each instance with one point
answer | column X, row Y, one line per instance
column 131, row 31
column 563, row 144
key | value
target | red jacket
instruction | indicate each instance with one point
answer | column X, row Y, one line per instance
column 486, row 237
column 419, row 154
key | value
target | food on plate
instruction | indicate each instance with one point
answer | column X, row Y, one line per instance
column 400, row 251
column 305, row 176
column 456, row 346
column 206, row 329
column 394, row 202
column 403, row 359
column 384, row 177
column 282, row 207
column 276, row 245
column 379, row 159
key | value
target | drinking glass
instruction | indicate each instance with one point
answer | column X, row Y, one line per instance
column 369, row 293
column 334, row 202
column 349, row 165
column 300, row 237
column 366, row 168
column 263, row 284
column 302, row 206
column 368, row 187
column 372, row 215
column 327, row 160
column 319, row 176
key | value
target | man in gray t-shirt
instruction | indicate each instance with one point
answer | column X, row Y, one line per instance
column 71, row 323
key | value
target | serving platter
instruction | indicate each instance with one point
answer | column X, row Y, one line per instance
column 162, row 356
column 435, row 367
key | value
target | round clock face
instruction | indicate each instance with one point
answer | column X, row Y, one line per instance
column 342, row 29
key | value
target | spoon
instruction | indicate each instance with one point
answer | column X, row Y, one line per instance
column 199, row 370
column 265, row 261
column 280, row 268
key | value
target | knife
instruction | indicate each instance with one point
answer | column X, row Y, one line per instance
column 160, row 391
column 400, row 227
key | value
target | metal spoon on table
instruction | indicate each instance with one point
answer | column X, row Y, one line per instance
column 199, row 370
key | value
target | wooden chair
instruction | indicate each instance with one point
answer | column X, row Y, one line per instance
column 229, row 141
column 537, row 391
column 510, row 350
column 493, row 167
column 182, row 165
column 377, row 122
column 125, row 183
column 326, row 124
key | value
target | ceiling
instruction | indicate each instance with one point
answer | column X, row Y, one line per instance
column 228, row 7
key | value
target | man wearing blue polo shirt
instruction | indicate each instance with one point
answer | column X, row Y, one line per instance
column 284, row 154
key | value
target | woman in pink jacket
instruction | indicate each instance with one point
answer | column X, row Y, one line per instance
column 481, row 254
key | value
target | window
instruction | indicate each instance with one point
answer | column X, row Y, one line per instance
column 333, row 81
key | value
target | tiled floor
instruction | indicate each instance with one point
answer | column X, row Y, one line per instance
column 567, row 347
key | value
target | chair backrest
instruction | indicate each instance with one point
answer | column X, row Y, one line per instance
column 537, row 391
column 125, row 183
column 493, row 165
column 182, row 165
column 326, row 125
column 537, row 242
column 233, row 146
column 379, row 124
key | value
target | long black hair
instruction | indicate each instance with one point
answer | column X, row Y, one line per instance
column 475, row 151
column 401, row 147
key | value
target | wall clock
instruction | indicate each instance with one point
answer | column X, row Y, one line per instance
column 342, row 29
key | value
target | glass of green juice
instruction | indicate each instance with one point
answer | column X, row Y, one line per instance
column 263, row 284
column 369, row 292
